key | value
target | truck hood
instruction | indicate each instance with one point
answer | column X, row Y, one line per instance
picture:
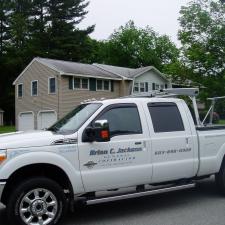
column 28, row 139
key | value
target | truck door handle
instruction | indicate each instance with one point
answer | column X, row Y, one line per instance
column 138, row 143
column 187, row 140
column 90, row 164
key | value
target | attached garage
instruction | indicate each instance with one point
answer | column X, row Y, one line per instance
column 26, row 121
column 45, row 119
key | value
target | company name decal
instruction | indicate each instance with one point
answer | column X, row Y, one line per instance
column 114, row 151
column 116, row 157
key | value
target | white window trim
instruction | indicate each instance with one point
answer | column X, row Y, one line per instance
column 103, row 85
column 84, row 89
column 31, row 88
column 18, row 90
column 52, row 93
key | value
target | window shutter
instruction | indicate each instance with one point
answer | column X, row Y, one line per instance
column 71, row 83
column 166, row 86
column 153, row 86
column 112, row 85
column 146, row 86
column 92, row 84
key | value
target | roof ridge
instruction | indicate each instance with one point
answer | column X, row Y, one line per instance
column 122, row 67
column 99, row 67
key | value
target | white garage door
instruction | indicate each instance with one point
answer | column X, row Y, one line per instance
column 26, row 121
column 46, row 119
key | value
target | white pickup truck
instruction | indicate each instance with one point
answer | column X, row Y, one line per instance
column 105, row 151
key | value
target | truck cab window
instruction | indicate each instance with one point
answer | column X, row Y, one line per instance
column 165, row 117
column 123, row 120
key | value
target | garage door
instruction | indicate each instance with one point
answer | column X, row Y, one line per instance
column 46, row 119
column 26, row 121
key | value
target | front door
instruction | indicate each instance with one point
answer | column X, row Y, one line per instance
column 125, row 160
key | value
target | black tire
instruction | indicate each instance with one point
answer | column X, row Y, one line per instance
column 220, row 179
column 17, row 197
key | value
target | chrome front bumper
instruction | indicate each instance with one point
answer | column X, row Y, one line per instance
column 2, row 185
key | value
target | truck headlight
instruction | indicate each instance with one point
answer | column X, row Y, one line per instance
column 3, row 155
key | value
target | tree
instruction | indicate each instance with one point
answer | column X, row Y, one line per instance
column 46, row 28
column 202, row 36
column 4, row 7
column 65, row 39
column 136, row 47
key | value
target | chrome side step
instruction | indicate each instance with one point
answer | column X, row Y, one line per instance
column 139, row 194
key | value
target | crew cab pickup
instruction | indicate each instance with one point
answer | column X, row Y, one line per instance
column 105, row 151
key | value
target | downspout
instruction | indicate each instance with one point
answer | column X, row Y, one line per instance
column 58, row 89
column 132, row 87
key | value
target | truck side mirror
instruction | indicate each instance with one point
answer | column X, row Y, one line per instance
column 99, row 132
column 101, row 128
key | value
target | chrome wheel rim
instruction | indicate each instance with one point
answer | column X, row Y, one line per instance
column 38, row 207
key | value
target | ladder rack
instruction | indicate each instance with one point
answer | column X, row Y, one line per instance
column 171, row 92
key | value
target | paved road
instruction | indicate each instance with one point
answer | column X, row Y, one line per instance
column 200, row 206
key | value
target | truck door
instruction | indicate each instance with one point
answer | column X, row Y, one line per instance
column 125, row 160
column 172, row 142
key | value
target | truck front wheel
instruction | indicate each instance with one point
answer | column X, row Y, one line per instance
column 36, row 201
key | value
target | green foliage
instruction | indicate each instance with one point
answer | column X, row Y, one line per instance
column 135, row 47
column 202, row 36
column 46, row 28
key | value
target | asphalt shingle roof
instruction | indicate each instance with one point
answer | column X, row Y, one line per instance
column 66, row 67
column 93, row 70
column 128, row 72
column 122, row 71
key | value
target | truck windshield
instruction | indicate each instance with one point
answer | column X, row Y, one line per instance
column 75, row 119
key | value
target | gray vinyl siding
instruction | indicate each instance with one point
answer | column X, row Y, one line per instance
column 44, row 101
column 152, row 77
column 71, row 98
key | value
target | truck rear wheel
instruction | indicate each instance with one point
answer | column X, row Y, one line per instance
column 37, row 201
column 220, row 178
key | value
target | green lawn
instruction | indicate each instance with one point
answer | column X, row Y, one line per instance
column 221, row 122
column 7, row 129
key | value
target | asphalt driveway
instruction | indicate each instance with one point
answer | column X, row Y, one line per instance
column 200, row 206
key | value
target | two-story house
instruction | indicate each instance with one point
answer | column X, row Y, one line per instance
column 48, row 89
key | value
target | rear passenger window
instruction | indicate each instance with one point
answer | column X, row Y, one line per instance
column 123, row 120
column 165, row 117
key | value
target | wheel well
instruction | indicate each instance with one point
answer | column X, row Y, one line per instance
column 45, row 170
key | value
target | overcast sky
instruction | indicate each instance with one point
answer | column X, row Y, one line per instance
column 108, row 15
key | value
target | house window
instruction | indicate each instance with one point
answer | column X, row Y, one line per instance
column 20, row 90
column 136, row 87
column 80, row 83
column 141, row 87
column 103, row 85
column 52, row 85
column 34, row 88
column 84, row 83
column 157, row 87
